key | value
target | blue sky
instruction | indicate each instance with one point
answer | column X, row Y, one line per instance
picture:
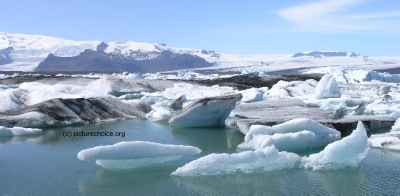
column 368, row 27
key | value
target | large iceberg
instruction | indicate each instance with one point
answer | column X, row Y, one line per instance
column 14, row 131
column 347, row 152
column 124, row 155
column 73, row 111
column 206, row 112
column 327, row 87
column 32, row 93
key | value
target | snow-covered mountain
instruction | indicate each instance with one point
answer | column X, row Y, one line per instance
column 21, row 52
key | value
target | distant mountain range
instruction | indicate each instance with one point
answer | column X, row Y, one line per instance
column 21, row 52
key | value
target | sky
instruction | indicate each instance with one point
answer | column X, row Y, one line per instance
column 367, row 27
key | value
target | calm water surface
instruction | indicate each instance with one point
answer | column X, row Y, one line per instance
column 48, row 165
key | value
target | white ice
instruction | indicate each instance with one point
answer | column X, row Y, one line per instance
column 253, row 94
column 260, row 160
column 390, row 140
column 14, row 131
column 206, row 112
column 327, row 87
column 124, row 155
column 192, row 92
column 284, row 89
column 347, row 152
column 294, row 135
column 34, row 92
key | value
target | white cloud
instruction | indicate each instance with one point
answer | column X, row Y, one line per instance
column 338, row 16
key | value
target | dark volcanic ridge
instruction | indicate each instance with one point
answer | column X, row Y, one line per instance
column 99, row 61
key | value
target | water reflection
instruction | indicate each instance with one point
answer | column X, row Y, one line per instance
column 211, row 139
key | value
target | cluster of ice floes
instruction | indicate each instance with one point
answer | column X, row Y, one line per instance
column 356, row 75
column 4, row 131
column 347, row 152
column 294, row 135
column 125, row 155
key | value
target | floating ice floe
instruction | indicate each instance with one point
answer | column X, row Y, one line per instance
column 206, row 112
column 125, row 155
column 260, row 160
column 347, row 152
column 327, row 87
column 14, row 131
column 294, row 135
column 390, row 140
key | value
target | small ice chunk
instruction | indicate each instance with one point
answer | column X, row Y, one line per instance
column 266, row 159
column 252, row 95
column 327, row 87
column 159, row 114
column 4, row 131
column 348, row 151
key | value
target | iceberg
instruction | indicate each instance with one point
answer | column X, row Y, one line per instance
column 14, row 131
column 260, row 160
column 347, row 152
column 389, row 140
column 327, row 87
column 73, row 111
column 206, row 112
column 294, row 135
column 253, row 94
column 124, row 155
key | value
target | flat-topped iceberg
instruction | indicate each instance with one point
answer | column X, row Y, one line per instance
column 124, row 155
column 206, row 112
column 347, row 152
column 14, row 131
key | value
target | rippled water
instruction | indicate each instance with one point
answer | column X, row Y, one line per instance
column 48, row 165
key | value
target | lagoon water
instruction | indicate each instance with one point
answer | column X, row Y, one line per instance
column 47, row 164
